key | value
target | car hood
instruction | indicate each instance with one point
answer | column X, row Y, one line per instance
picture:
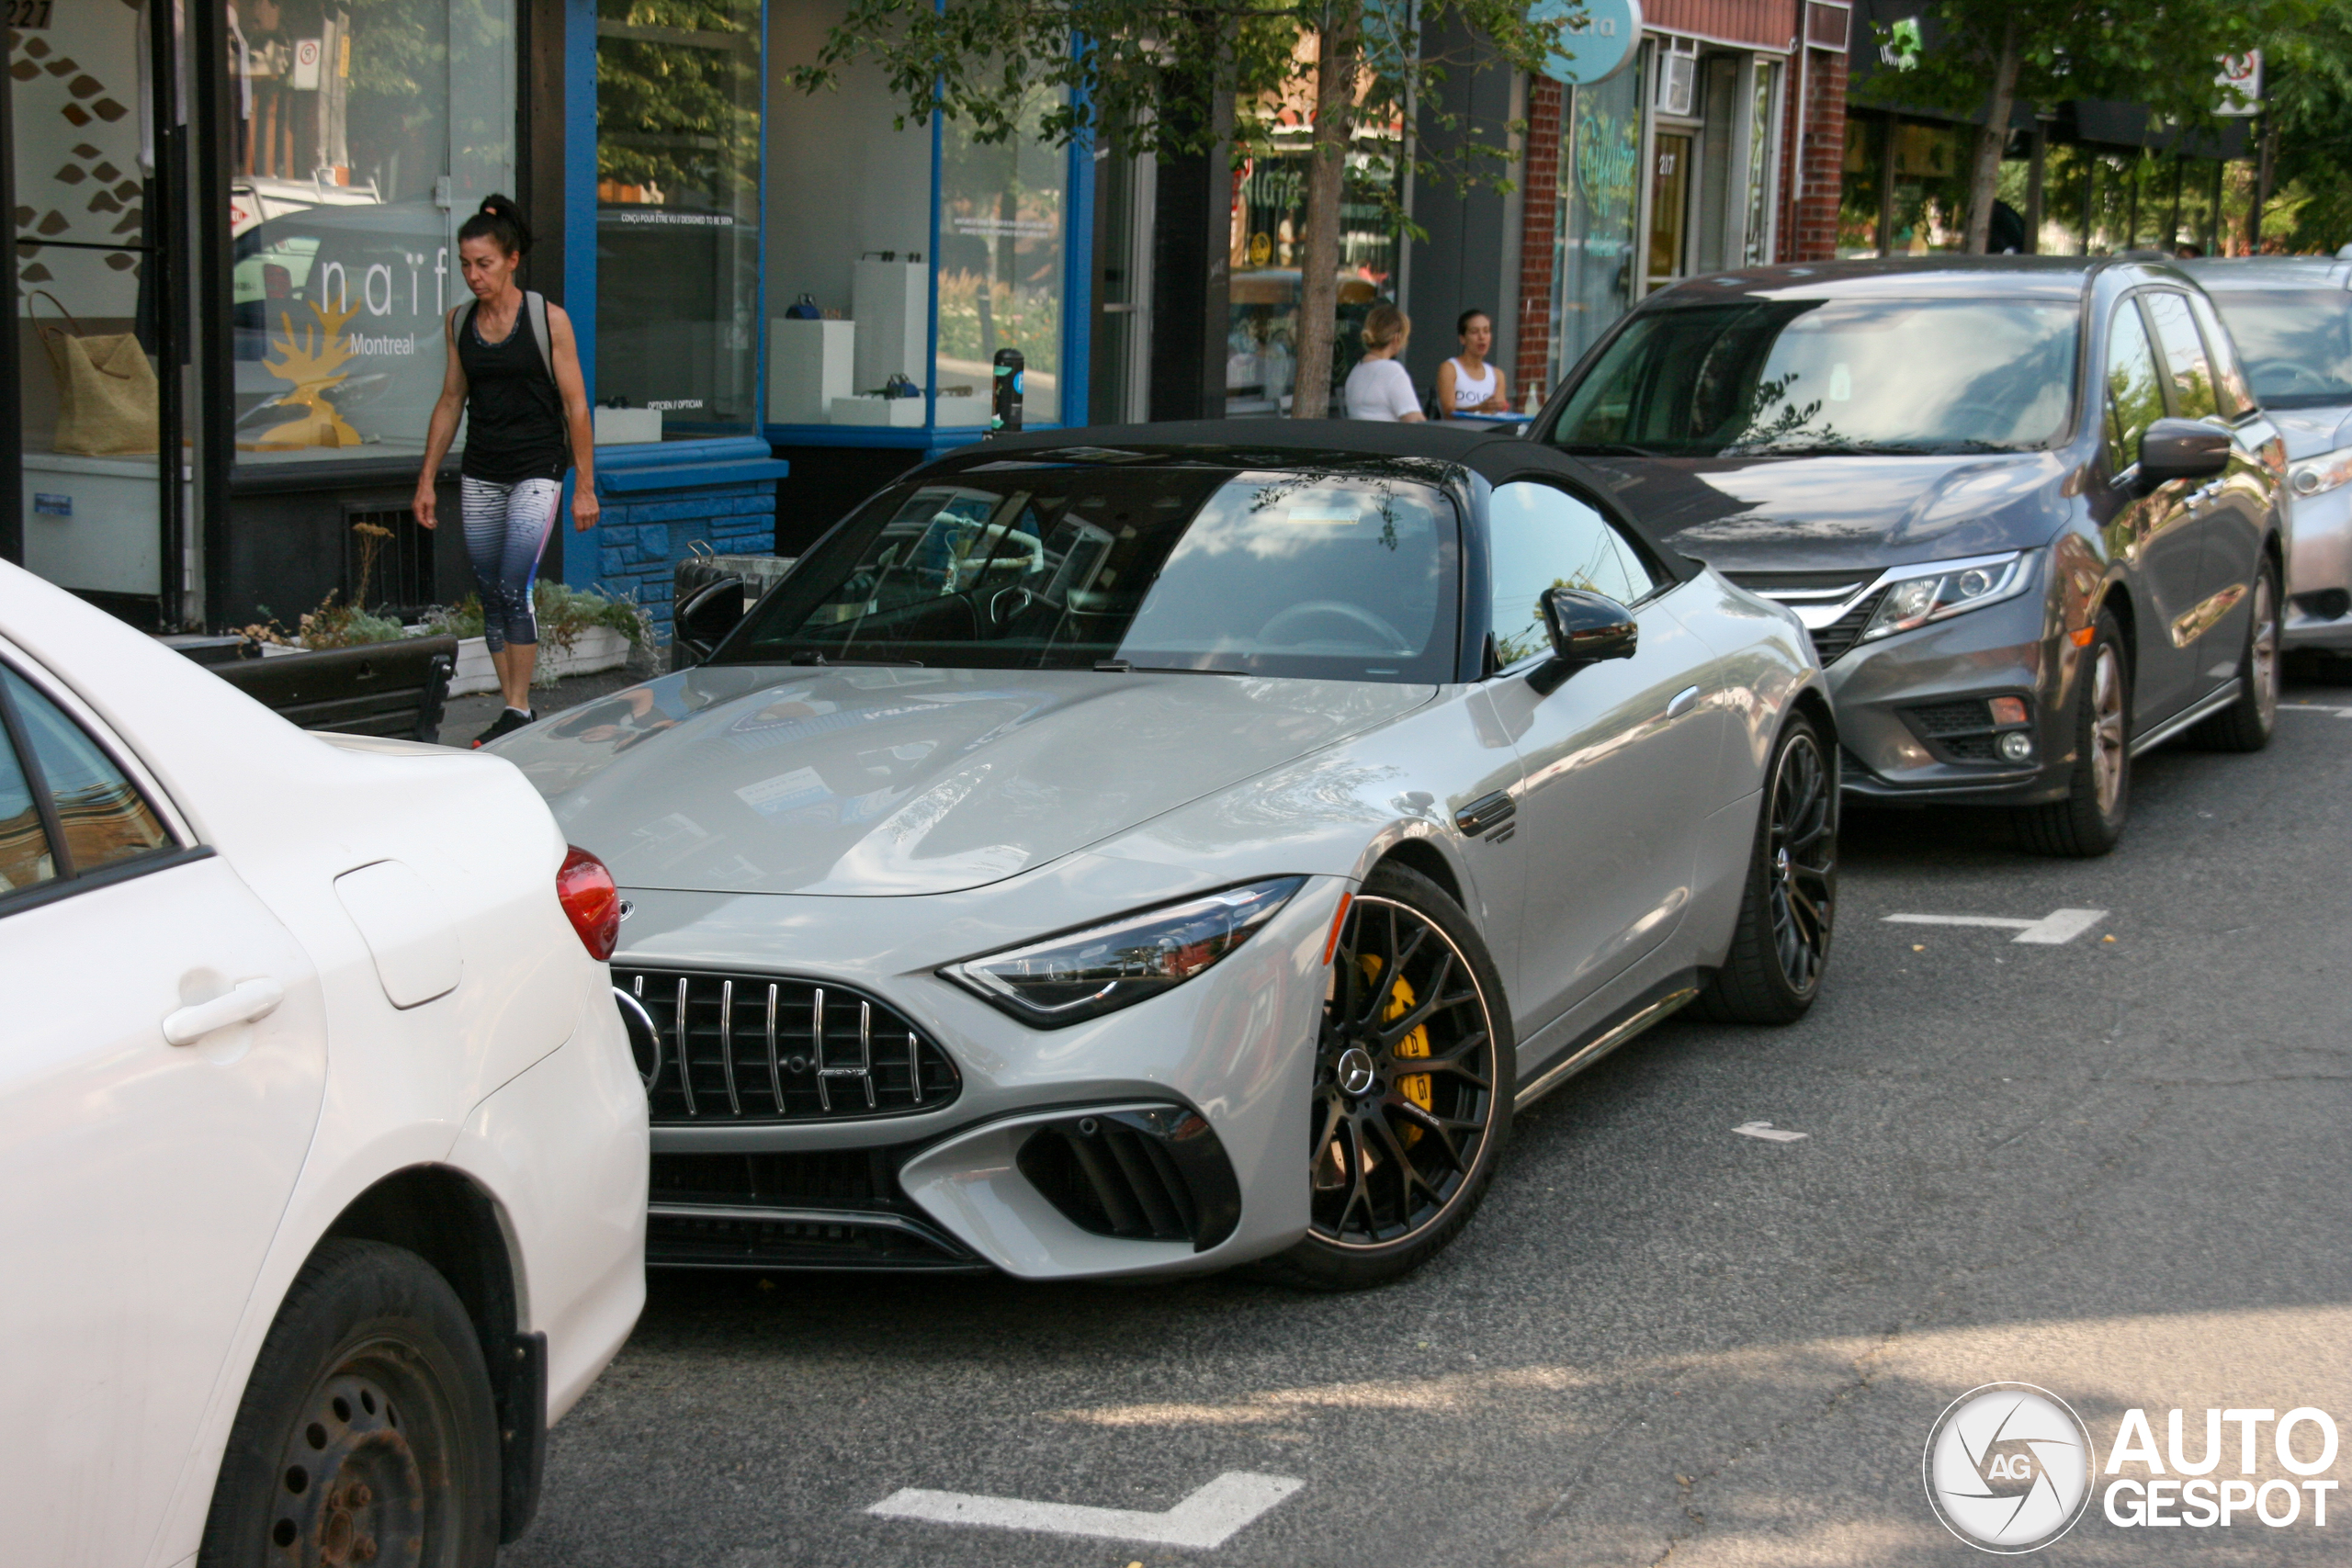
column 889, row 782
column 1830, row 513
column 2310, row 432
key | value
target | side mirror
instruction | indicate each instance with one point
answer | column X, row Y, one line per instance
column 1585, row 629
column 2182, row 449
column 701, row 622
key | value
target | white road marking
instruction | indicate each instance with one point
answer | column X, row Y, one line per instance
column 2315, row 707
column 1769, row 1134
column 2058, row 926
column 1208, row 1518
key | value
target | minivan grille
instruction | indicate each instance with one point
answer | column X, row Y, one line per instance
column 765, row 1048
column 1833, row 642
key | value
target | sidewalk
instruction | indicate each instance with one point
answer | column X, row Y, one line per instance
column 466, row 718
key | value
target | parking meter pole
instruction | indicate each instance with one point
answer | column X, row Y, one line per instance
column 1004, row 403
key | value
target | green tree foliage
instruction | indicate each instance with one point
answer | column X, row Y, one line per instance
column 1993, row 54
column 2309, row 68
column 1152, row 74
column 677, row 90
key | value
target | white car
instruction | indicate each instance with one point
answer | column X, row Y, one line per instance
column 323, row 1154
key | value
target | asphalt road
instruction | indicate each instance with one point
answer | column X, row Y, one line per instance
column 2111, row 1167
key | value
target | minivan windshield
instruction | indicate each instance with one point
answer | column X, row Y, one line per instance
column 1786, row 377
column 2296, row 342
column 1311, row 574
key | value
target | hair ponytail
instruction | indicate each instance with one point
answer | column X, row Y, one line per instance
column 498, row 220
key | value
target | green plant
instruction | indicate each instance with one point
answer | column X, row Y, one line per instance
column 344, row 625
column 565, row 613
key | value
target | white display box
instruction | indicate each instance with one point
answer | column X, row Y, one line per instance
column 968, row 411
column 810, row 363
column 905, row 412
column 891, row 303
column 90, row 523
column 628, row 427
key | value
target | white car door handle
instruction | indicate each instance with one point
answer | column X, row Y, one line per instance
column 252, row 1000
column 1684, row 701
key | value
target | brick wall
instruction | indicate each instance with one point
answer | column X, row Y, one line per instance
column 640, row 539
column 1539, row 201
column 1809, row 221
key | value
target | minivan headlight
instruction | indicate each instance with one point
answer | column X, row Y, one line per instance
column 2317, row 476
column 1913, row 596
column 1068, row 979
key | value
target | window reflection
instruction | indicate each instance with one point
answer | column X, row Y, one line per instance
column 101, row 813
column 1002, row 208
column 25, row 859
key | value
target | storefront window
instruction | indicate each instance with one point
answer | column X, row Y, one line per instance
column 1001, row 217
column 1267, row 246
column 87, row 393
column 1857, row 186
column 357, row 133
column 1592, row 245
column 1930, row 177
column 1762, row 94
column 677, row 210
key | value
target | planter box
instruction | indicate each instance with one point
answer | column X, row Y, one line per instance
column 598, row 647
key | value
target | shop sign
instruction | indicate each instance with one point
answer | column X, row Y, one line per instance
column 1598, row 47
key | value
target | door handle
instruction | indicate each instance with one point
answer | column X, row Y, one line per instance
column 252, row 1000
column 1684, row 701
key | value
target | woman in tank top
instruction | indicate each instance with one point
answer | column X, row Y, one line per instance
column 526, row 424
column 1468, row 384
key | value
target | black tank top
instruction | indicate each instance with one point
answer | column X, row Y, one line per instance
column 514, row 428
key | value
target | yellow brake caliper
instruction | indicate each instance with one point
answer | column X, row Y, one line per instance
column 1414, row 1086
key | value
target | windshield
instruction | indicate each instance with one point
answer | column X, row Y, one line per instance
column 1790, row 377
column 2297, row 343
column 1306, row 574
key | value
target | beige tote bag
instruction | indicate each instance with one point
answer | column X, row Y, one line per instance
column 106, row 389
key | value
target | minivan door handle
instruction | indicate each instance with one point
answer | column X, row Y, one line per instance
column 1684, row 701
column 250, row 1000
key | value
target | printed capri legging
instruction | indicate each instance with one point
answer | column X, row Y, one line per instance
column 506, row 527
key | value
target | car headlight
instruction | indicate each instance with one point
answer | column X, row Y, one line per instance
column 2317, row 476
column 1918, row 594
column 1068, row 979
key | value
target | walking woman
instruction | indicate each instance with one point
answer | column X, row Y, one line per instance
column 1467, row 384
column 514, row 373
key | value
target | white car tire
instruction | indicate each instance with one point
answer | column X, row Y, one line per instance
column 367, row 1432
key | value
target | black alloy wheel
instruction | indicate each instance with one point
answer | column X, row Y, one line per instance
column 1413, row 1086
column 1788, row 912
column 367, row 1433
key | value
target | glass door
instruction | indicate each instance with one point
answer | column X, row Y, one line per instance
column 97, row 363
column 1669, row 203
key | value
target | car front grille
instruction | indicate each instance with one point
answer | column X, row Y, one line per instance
column 1146, row 1174
column 1967, row 717
column 1834, row 641
column 764, row 1048
column 822, row 1208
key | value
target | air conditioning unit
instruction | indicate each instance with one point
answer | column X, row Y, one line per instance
column 1677, row 77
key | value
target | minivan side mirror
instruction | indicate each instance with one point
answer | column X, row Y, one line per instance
column 2182, row 449
column 704, row 620
column 1585, row 629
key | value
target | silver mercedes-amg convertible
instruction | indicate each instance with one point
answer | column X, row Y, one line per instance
column 1187, row 848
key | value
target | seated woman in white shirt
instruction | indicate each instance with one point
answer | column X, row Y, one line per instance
column 1379, row 388
column 1468, row 384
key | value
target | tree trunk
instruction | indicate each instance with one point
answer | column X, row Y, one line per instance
column 1984, row 183
column 1327, row 175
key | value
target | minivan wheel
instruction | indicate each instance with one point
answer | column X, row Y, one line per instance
column 1413, row 1084
column 2098, row 793
column 2246, row 724
column 367, row 1433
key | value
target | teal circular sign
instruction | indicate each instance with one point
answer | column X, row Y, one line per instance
column 1597, row 48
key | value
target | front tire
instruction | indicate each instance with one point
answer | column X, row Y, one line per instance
column 2090, row 820
column 1414, row 1072
column 2246, row 725
column 1789, row 911
column 367, row 1433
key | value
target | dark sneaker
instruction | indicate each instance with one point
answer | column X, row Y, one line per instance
column 507, row 722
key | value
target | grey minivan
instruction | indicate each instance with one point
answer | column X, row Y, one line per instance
column 2026, row 506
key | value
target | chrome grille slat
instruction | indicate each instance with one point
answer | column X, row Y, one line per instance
column 822, row 1063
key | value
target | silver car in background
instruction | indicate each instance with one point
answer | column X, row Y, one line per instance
column 1149, row 850
column 2291, row 317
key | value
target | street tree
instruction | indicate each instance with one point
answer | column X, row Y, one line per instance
column 1988, row 56
column 1155, row 75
